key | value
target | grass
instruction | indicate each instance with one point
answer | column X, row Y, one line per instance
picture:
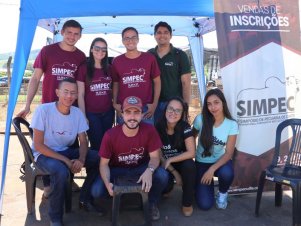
column 21, row 98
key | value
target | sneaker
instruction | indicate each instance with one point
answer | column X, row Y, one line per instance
column 187, row 211
column 154, row 212
column 221, row 200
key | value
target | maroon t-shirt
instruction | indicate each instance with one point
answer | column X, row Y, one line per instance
column 57, row 64
column 98, row 93
column 126, row 151
column 135, row 76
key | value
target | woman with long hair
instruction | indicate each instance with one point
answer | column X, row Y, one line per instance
column 178, row 150
column 95, row 92
column 217, row 132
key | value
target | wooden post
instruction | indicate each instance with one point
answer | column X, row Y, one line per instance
column 8, row 70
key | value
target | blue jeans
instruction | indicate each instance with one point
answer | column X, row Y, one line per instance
column 160, row 179
column 205, row 193
column 59, row 172
column 159, row 113
column 148, row 120
column 46, row 179
column 99, row 123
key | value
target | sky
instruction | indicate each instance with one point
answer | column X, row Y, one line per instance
column 9, row 16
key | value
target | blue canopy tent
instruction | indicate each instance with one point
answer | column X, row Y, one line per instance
column 184, row 17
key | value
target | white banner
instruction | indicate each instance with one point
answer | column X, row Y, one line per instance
column 259, row 47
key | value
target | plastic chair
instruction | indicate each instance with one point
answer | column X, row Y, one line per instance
column 32, row 171
column 125, row 185
column 288, row 172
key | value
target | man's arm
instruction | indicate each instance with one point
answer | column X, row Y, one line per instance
column 115, row 94
column 105, row 174
column 147, row 177
column 154, row 159
column 81, row 96
column 186, row 87
column 33, row 86
column 157, row 89
column 38, row 139
column 79, row 163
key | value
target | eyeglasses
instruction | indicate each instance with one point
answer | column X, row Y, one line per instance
column 172, row 110
column 127, row 39
column 98, row 49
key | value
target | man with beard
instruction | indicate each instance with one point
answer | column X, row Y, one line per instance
column 132, row 150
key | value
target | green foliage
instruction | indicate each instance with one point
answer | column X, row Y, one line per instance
column 29, row 66
column 28, row 73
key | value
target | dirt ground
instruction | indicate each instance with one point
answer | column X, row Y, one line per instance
column 18, row 108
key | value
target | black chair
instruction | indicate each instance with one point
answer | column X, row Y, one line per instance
column 287, row 171
column 125, row 185
column 32, row 171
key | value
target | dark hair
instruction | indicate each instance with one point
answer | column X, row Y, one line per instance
column 206, row 137
column 68, row 79
column 161, row 125
column 162, row 24
column 129, row 29
column 91, row 61
column 72, row 23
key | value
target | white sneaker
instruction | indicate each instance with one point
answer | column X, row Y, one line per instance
column 221, row 200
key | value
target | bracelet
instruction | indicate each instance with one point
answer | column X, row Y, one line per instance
column 151, row 169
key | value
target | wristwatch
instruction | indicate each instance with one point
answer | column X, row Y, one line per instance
column 151, row 169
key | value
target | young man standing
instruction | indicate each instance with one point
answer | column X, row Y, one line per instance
column 136, row 154
column 55, row 126
column 136, row 73
column 175, row 68
column 55, row 62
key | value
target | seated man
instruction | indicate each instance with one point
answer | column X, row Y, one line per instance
column 55, row 127
column 132, row 149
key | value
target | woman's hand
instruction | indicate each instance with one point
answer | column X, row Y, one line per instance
column 208, row 176
column 167, row 163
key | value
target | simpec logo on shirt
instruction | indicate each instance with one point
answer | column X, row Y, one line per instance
column 133, row 78
column 131, row 157
column 65, row 69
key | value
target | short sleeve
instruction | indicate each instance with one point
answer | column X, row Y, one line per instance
column 197, row 123
column 154, row 142
column 155, row 70
column 185, row 63
column 82, row 124
column 234, row 128
column 115, row 76
column 82, row 72
column 187, row 132
column 40, row 59
column 38, row 119
column 105, row 147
